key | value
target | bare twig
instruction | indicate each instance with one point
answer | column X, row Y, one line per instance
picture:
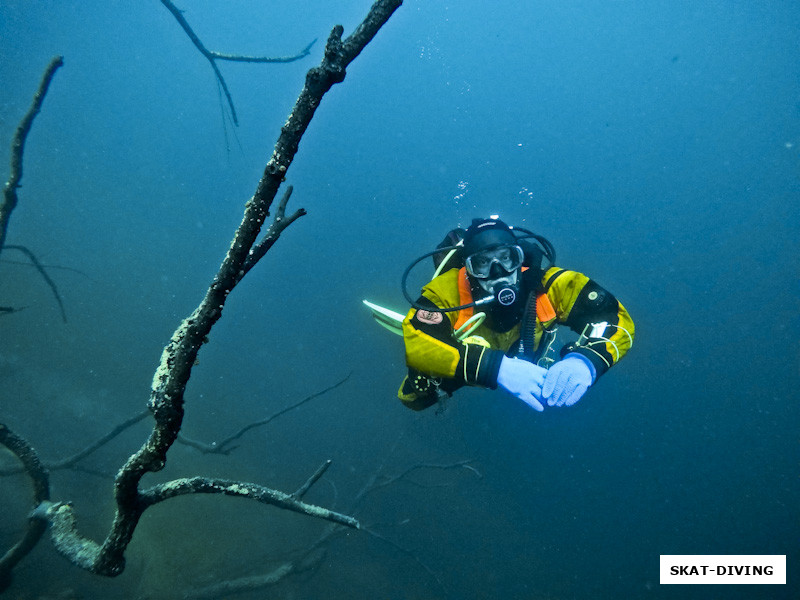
column 224, row 447
column 38, row 266
column 463, row 464
column 71, row 461
column 412, row 555
column 18, row 146
column 279, row 223
column 263, row 59
column 10, row 198
column 44, row 266
column 212, row 56
column 301, row 491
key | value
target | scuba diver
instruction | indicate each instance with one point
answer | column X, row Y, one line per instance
column 489, row 316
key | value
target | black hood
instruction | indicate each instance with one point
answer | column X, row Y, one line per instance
column 487, row 233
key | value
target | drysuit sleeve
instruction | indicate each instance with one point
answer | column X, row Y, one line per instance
column 584, row 306
column 432, row 348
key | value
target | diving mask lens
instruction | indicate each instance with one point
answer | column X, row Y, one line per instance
column 480, row 264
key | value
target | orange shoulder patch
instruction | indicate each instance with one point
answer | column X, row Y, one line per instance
column 544, row 308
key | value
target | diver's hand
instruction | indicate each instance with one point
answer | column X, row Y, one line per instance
column 523, row 380
column 567, row 381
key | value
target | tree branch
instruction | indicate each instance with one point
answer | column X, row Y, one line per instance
column 10, row 198
column 464, row 464
column 279, row 223
column 205, row 485
column 40, row 268
column 223, row 447
column 178, row 357
column 44, row 266
column 71, row 461
column 18, row 146
column 263, row 59
column 303, row 489
column 212, row 56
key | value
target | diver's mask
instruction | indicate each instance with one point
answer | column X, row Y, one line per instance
column 496, row 271
column 495, row 263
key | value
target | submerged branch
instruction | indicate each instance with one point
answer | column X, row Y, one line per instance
column 70, row 461
column 18, row 146
column 259, row 493
column 279, row 223
column 303, row 489
column 179, row 356
column 212, row 56
column 44, row 266
column 40, row 268
column 224, row 447
column 263, row 59
column 464, row 464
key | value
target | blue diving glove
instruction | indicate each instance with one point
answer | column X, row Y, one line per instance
column 567, row 381
column 523, row 380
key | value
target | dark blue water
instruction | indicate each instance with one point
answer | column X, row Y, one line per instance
column 656, row 144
